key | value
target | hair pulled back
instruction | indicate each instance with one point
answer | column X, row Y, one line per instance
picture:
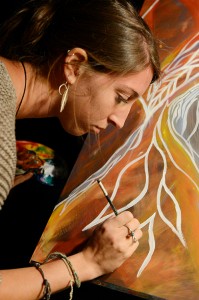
column 112, row 33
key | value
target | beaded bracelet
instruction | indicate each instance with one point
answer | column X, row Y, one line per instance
column 73, row 274
column 71, row 280
column 46, row 284
column 62, row 256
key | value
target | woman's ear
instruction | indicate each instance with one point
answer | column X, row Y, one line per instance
column 73, row 61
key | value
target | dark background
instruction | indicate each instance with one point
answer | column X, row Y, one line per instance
column 28, row 207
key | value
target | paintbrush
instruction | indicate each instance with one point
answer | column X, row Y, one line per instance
column 107, row 197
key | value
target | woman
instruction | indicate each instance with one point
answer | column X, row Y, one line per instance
column 84, row 62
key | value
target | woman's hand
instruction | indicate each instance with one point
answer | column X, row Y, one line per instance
column 112, row 243
column 22, row 178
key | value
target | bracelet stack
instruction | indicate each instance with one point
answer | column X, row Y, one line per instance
column 73, row 274
column 46, row 284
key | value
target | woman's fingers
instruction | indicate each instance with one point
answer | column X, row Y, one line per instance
column 132, row 230
column 113, row 242
column 127, row 223
column 121, row 219
column 135, row 234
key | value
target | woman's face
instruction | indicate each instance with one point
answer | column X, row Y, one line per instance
column 97, row 100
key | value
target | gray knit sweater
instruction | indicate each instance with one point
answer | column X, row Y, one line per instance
column 7, row 134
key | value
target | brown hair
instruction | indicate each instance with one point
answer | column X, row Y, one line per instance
column 112, row 33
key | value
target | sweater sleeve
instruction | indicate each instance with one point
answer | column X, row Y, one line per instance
column 7, row 134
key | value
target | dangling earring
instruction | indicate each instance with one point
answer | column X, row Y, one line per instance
column 64, row 95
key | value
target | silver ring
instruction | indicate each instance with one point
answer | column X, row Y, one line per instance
column 131, row 233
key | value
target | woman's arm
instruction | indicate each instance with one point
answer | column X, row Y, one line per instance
column 109, row 246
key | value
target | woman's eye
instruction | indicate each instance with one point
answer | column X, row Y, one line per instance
column 121, row 99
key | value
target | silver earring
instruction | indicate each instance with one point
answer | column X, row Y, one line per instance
column 64, row 95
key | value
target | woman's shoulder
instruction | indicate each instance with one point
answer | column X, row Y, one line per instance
column 3, row 69
column 6, row 85
column 7, row 132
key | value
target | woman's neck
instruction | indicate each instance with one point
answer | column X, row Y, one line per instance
column 34, row 97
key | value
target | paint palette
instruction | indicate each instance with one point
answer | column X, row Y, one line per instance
column 48, row 168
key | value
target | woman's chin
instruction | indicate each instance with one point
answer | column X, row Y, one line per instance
column 75, row 131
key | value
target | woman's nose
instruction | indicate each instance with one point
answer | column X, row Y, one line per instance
column 119, row 117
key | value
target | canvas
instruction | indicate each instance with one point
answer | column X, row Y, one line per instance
column 150, row 167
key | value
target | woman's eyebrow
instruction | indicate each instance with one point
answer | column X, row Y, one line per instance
column 133, row 95
column 132, row 92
